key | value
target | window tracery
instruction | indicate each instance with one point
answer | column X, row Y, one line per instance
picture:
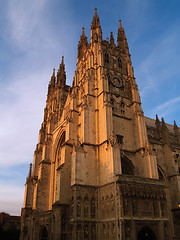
column 161, row 174
column 59, row 149
column 119, row 63
column 86, row 207
column 93, row 211
column 127, row 166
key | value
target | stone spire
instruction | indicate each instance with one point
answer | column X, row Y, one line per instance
column 175, row 126
column 165, row 132
column 158, row 126
column 52, row 83
column 112, row 40
column 121, row 38
column 157, row 121
column 82, row 44
column 53, row 78
column 176, row 132
column 163, row 123
column 95, row 23
column 61, row 75
column 96, row 32
column 30, row 173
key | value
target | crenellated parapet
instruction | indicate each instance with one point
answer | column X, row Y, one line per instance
column 162, row 132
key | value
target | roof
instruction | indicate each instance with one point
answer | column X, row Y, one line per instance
column 152, row 123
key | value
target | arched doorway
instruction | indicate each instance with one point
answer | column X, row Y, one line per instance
column 146, row 234
column 44, row 234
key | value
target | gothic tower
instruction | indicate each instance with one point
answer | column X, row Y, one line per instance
column 95, row 173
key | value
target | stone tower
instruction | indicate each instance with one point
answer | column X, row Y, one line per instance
column 95, row 172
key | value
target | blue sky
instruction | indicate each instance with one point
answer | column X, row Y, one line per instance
column 33, row 37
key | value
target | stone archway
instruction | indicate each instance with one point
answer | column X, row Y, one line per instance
column 44, row 234
column 146, row 234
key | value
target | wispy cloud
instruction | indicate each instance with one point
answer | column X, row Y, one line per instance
column 24, row 20
column 22, row 115
column 35, row 34
column 166, row 108
column 158, row 69
column 24, row 87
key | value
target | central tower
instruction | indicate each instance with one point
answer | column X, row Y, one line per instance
column 111, row 123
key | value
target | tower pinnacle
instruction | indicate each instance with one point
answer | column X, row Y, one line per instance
column 121, row 39
column 120, row 25
column 53, row 78
column 83, row 32
column 61, row 74
column 95, row 22
column 112, row 40
column 96, row 32
column 30, row 173
column 82, row 44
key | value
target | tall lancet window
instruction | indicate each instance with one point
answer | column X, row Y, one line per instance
column 59, row 149
column 119, row 63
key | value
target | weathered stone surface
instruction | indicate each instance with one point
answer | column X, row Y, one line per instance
column 101, row 169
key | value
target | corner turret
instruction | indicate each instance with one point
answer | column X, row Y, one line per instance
column 52, row 83
column 176, row 132
column 165, row 132
column 96, row 32
column 82, row 44
column 121, row 39
column 112, row 44
column 30, row 173
column 158, row 126
column 61, row 75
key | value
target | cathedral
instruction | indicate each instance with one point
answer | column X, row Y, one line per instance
column 101, row 169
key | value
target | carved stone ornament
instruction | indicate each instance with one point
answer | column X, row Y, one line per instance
column 106, row 99
column 132, row 83
column 48, row 138
column 116, row 82
column 77, row 143
column 85, row 102
column 112, row 140
column 68, row 115
column 122, row 153
column 38, row 148
column 148, row 148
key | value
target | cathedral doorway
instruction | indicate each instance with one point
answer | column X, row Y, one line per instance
column 146, row 234
column 44, row 234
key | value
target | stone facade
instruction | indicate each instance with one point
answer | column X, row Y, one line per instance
column 101, row 169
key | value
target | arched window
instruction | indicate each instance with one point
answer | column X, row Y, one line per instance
column 78, row 207
column 86, row 206
column 93, row 210
column 44, row 234
column 60, row 144
column 106, row 58
column 146, row 234
column 62, row 139
column 127, row 166
column 122, row 104
column 161, row 173
column 119, row 62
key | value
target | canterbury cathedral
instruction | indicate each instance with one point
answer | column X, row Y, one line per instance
column 101, row 169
